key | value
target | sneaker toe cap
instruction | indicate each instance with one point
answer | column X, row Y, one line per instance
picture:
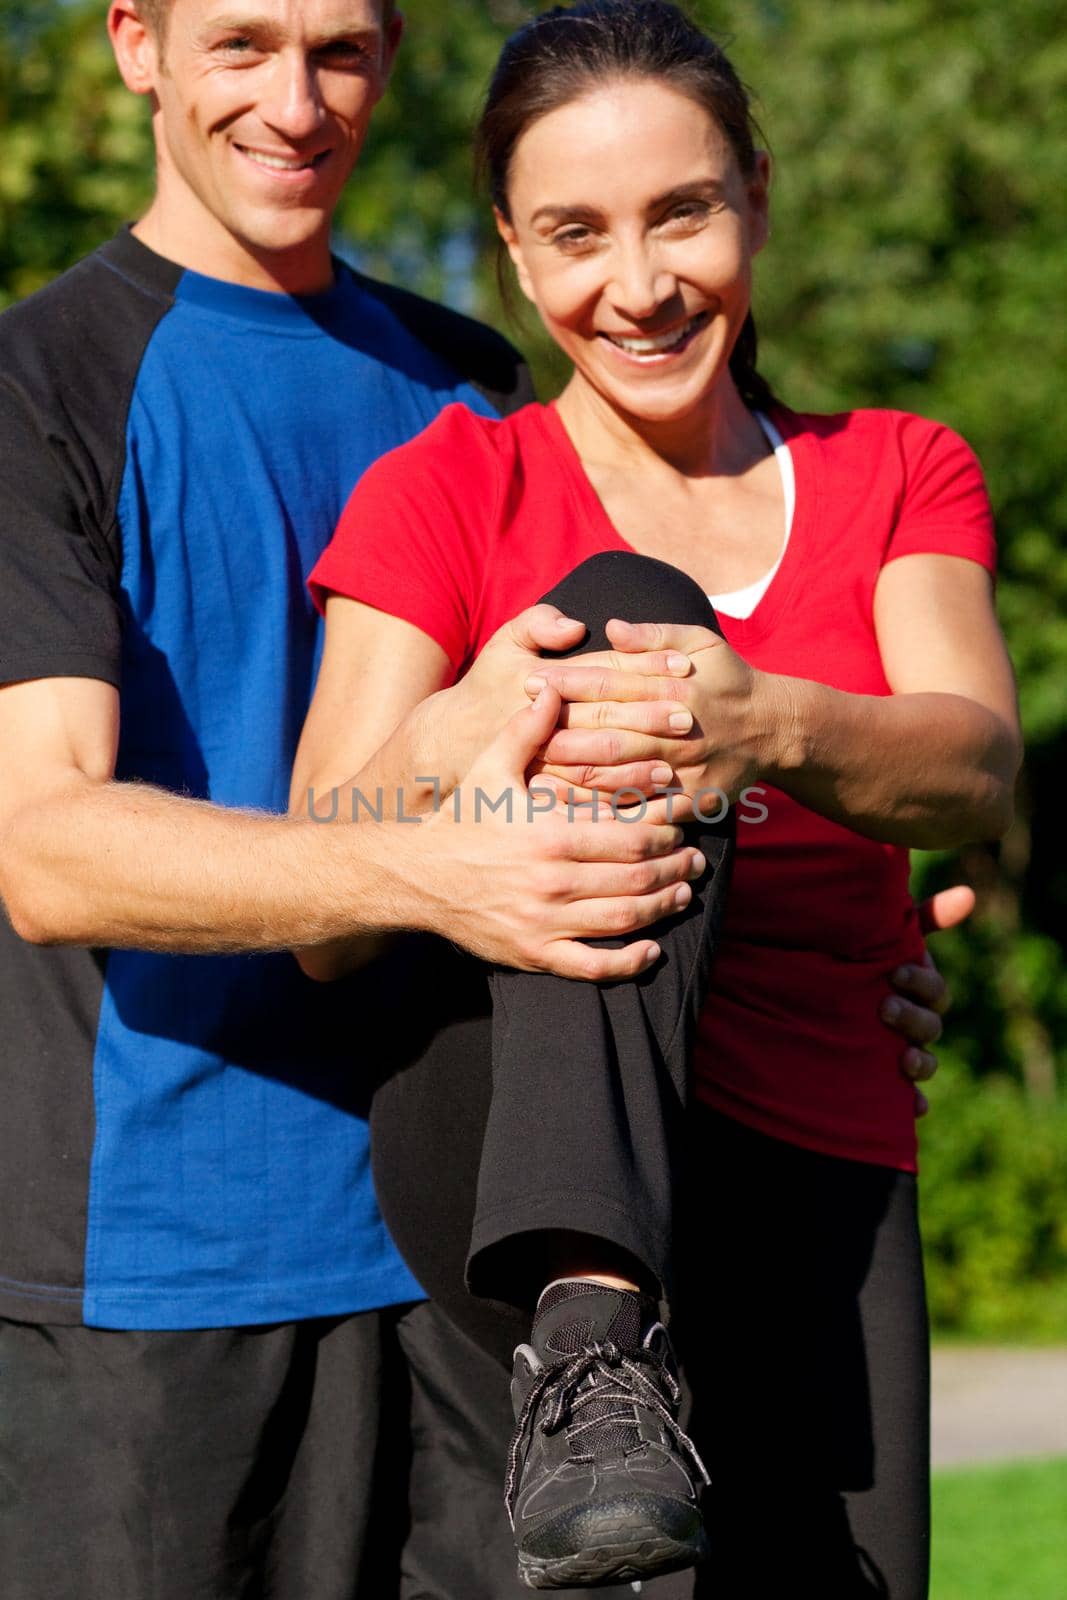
column 606, row 1520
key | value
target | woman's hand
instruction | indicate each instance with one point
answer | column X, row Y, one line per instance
column 677, row 695
column 494, row 689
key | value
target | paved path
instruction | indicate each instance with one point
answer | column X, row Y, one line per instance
column 998, row 1404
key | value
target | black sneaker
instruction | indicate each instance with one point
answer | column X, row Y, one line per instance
column 600, row 1476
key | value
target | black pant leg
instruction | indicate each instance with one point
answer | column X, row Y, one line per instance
column 801, row 1324
column 428, row 1116
column 890, row 1517
column 218, row 1464
column 590, row 1081
column 425, row 1009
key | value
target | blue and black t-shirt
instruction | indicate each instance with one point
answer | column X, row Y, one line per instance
column 183, row 1140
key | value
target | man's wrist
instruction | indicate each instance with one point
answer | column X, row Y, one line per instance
column 374, row 879
column 412, row 860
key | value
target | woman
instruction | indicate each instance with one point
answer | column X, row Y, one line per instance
column 862, row 702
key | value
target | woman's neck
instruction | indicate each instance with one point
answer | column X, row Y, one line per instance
column 721, row 438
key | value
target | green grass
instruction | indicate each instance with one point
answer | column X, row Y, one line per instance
column 1000, row 1533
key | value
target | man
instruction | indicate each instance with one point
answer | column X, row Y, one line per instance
column 192, row 1267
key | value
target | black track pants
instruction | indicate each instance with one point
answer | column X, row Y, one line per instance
column 223, row 1464
column 796, row 1279
column 800, row 1320
column 590, row 1081
column 361, row 1458
column 581, row 1129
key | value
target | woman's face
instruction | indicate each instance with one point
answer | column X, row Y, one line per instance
column 633, row 231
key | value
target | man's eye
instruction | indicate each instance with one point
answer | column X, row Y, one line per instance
column 237, row 46
column 344, row 50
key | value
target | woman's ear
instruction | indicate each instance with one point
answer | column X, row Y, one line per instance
column 507, row 232
column 758, row 189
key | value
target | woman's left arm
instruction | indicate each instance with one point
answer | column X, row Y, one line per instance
column 932, row 765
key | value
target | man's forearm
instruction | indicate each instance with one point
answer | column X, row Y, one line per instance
column 85, row 861
column 126, row 865
column 405, row 779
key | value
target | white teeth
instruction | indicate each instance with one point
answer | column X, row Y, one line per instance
column 279, row 163
column 652, row 347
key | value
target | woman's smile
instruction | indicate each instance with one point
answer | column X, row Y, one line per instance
column 658, row 349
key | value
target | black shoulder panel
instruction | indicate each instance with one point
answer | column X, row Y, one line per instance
column 477, row 354
column 69, row 358
column 70, row 354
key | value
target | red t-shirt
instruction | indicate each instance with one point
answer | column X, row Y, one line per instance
column 477, row 518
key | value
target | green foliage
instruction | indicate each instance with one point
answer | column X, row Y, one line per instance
column 76, row 146
column 1000, row 1532
column 917, row 261
column 413, row 200
column 994, row 1184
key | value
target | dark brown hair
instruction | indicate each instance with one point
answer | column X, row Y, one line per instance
column 560, row 55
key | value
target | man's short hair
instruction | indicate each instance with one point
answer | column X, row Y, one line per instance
column 154, row 14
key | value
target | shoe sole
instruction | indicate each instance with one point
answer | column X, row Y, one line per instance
column 629, row 1554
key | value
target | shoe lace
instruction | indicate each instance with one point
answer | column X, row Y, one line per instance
column 619, row 1379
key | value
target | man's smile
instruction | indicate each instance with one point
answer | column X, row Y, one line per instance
column 282, row 164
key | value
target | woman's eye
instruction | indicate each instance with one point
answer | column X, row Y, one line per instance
column 690, row 211
column 573, row 239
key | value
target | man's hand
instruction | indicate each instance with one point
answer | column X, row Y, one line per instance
column 525, row 885
column 922, row 998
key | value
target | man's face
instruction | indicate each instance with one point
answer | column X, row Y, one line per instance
column 263, row 106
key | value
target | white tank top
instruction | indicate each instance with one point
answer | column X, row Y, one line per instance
column 742, row 602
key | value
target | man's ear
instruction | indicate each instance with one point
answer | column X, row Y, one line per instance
column 507, row 232
column 135, row 45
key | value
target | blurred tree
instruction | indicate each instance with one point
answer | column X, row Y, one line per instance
column 917, row 261
column 76, row 148
column 411, row 210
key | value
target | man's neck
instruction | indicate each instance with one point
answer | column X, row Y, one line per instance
column 303, row 271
